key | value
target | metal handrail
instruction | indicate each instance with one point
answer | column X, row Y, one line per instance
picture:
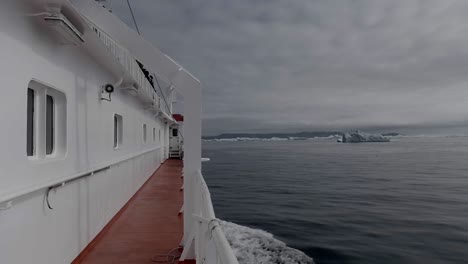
column 61, row 181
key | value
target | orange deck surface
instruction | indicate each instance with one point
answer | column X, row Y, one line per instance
column 149, row 224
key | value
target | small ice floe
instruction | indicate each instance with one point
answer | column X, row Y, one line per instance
column 260, row 247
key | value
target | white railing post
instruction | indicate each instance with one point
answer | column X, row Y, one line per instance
column 190, row 88
column 206, row 230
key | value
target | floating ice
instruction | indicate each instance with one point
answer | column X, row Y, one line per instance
column 260, row 247
column 357, row 136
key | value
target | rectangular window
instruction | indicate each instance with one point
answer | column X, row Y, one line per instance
column 46, row 121
column 118, row 131
column 154, row 134
column 30, row 123
column 50, row 125
column 144, row 132
column 175, row 132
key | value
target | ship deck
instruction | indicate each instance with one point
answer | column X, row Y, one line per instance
column 149, row 224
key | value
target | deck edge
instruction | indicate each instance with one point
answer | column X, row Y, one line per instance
column 78, row 259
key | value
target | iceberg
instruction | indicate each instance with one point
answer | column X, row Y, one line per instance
column 356, row 136
column 260, row 247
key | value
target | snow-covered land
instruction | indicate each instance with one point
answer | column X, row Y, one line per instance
column 260, row 247
column 357, row 136
column 250, row 139
column 270, row 139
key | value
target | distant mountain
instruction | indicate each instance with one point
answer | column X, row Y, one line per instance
column 284, row 135
column 274, row 135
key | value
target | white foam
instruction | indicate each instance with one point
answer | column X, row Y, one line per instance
column 260, row 247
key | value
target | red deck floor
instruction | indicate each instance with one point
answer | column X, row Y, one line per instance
column 149, row 224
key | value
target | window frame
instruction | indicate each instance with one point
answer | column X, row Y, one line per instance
column 50, row 125
column 144, row 133
column 30, row 123
column 117, row 131
column 47, row 132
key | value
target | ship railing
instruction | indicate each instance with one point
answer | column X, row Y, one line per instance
column 210, row 243
column 143, row 88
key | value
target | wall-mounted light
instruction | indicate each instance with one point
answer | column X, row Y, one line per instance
column 106, row 92
column 68, row 33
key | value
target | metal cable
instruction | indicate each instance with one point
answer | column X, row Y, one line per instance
column 133, row 17
column 156, row 77
column 162, row 93
column 170, row 258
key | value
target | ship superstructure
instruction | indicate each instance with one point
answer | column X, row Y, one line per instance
column 87, row 119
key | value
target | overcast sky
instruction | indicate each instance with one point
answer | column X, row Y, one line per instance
column 294, row 65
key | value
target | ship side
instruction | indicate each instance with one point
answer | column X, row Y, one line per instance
column 34, row 62
column 84, row 126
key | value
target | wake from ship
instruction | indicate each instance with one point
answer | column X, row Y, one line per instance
column 260, row 247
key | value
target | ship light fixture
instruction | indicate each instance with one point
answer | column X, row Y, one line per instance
column 68, row 33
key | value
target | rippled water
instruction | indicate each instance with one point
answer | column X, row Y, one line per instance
column 400, row 202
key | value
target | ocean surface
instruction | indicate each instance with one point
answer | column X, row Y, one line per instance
column 405, row 201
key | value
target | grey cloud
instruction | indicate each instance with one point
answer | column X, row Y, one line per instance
column 330, row 64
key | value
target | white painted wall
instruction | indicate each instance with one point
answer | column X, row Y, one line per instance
column 29, row 231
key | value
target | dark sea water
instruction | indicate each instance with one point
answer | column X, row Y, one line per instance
column 405, row 201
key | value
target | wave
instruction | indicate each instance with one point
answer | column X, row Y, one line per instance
column 260, row 247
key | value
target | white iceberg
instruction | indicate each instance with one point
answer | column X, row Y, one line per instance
column 356, row 136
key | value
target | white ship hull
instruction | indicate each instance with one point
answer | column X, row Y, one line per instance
column 29, row 231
